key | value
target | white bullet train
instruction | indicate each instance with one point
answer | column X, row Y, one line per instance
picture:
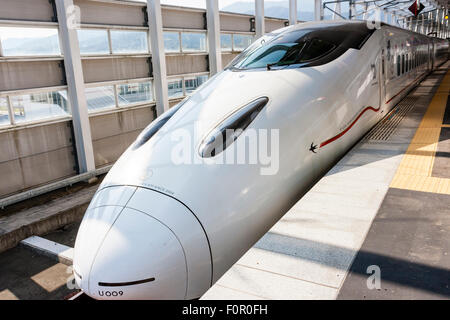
column 159, row 228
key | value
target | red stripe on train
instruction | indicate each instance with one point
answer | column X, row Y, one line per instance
column 349, row 127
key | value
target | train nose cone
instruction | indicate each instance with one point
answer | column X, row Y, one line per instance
column 103, row 210
column 136, row 243
column 139, row 258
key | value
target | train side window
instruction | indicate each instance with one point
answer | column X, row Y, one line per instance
column 403, row 63
column 388, row 50
column 398, row 66
column 406, row 63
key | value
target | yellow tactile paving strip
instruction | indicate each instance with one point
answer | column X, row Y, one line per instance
column 414, row 172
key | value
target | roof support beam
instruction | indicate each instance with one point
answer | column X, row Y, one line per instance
column 213, row 25
column 259, row 18
column 158, row 56
column 75, row 86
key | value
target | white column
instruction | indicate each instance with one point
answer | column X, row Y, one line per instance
column 385, row 16
column 446, row 27
column 259, row 18
column 423, row 23
column 365, row 14
column 158, row 56
column 337, row 11
column 213, row 24
column 293, row 12
column 438, row 22
column 318, row 10
column 366, row 8
column 430, row 26
column 75, row 85
column 410, row 23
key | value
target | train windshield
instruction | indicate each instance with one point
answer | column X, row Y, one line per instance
column 301, row 48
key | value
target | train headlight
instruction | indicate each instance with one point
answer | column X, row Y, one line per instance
column 226, row 132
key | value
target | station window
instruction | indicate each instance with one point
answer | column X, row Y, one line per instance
column 92, row 41
column 38, row 106
column 191, row 84
column 99, row 98
column 4, row 114
column 175, row 88
column 193, row 41
column 226, row 42
column 132, row 93
column 129, row 41
column 398, row 66
column 17, row 41
column 171, row 41
column 241, row 41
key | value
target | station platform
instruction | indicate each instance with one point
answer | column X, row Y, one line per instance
column 376, row 226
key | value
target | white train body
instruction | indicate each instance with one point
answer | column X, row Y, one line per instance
column 159, row 230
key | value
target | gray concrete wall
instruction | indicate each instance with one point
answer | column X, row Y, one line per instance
column 113, row 133
column 35, row 155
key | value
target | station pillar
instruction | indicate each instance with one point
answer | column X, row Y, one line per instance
column 75, row 85
column 213, row 25
column 337, row 11
column 158, row 56
column 292, row 12
column 259, row 18
column 318, row 10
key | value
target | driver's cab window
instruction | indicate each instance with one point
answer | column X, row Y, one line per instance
column 316, row 49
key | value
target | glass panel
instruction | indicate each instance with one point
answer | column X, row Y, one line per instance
column 225, row 42
column 100, row 98
column 29, row 41
column 316, row 49
column 171, row 42
column 134, row 93
column 175, row 88
column 37, row 106
column 193, row 41
column 129, row 41
column 93, row 41
column 194, row 83
column 241, row 41
column 4, row 115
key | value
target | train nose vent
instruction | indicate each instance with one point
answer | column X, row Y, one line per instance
column 124, row 284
